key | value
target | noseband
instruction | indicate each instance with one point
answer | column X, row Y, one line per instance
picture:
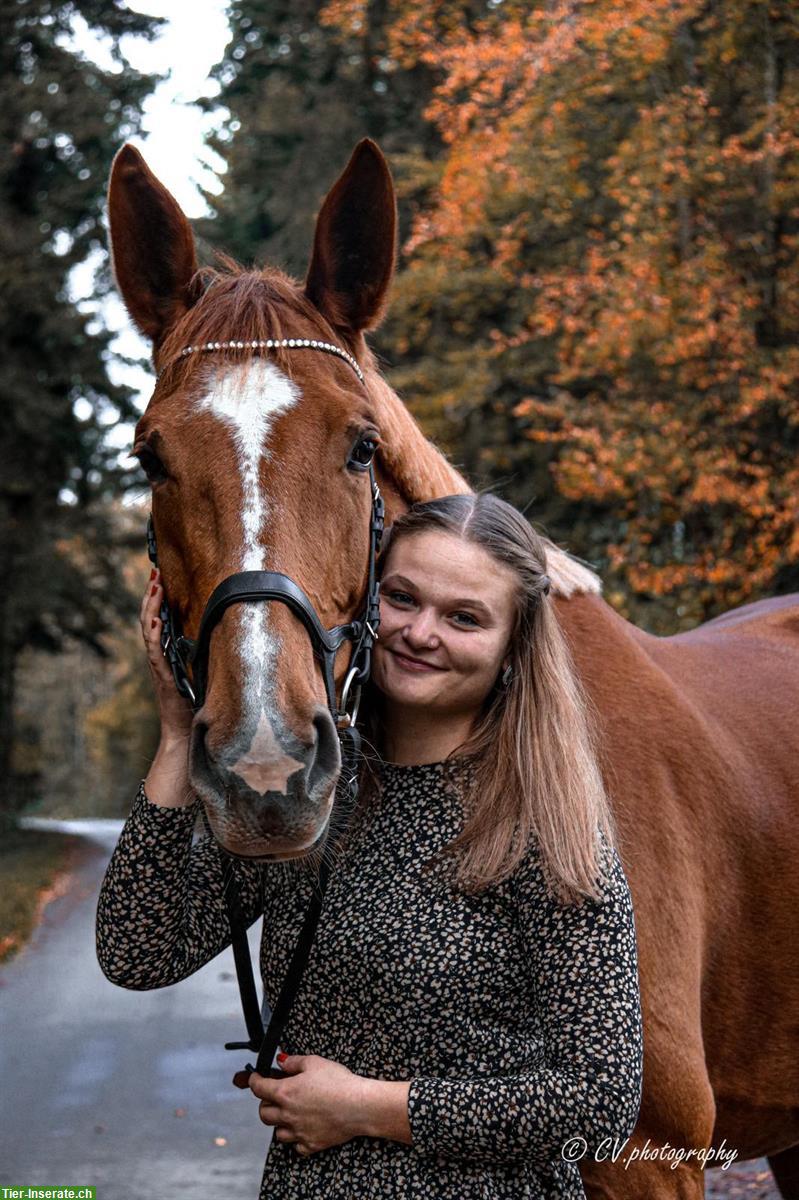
column 247, row 586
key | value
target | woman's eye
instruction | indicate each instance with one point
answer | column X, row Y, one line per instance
column 468, row 619
column 362, row 453
column 151, row 464
column 399, row 597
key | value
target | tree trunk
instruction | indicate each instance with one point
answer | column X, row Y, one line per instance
column 7, row 669
column 768, row 325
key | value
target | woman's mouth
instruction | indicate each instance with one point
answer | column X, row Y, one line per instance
column 413, row 664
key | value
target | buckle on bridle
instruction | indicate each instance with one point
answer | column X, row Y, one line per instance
column 345, row 717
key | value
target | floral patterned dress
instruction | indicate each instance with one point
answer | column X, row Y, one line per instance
column 515, row 1017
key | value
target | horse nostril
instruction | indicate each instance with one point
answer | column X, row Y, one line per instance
column 200, row 750
column 325, row 761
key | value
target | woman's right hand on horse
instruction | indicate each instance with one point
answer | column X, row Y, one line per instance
column 175, row 711
column 167, row 781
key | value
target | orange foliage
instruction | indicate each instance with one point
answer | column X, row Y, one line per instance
column 631, row 170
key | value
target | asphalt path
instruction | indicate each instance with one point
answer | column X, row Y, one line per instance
column 128, row 1091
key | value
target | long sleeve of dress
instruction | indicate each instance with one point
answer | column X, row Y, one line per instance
column 584, row 976
column 161, row 913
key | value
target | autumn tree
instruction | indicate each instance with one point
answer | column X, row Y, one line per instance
column 600, row 301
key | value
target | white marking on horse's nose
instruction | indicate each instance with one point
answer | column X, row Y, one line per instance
column 247, row 399
column 266, row 767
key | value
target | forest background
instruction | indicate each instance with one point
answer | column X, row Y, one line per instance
column 596, row 310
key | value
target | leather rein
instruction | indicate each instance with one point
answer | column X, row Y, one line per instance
column 188, row 660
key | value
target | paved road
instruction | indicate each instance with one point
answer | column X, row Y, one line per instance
column 128, row 1091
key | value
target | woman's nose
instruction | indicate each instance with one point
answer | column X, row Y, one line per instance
column 421, row 631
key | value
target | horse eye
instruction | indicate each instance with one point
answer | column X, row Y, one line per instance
column 151, row 464
column 363, row 452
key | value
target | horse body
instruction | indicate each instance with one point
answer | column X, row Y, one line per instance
column 740, row 671
column 697, row 733
column 700, row 751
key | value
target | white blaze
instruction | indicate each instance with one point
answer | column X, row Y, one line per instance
column 247, row 400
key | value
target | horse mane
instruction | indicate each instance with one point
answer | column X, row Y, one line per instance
column 422, row 471
column 249, row 304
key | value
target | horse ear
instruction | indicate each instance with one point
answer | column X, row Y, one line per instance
column 354, row 244
column 152, row 246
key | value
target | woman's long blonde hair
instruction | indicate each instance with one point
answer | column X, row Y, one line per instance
column 532, row 751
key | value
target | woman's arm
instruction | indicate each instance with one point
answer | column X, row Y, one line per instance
column 161, row 913
column 383, row 1110
column 167, row 781
column 585, row 969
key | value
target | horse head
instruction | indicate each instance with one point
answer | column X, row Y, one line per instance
column 258, row 459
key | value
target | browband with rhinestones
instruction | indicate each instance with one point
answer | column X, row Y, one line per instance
column 273, row 344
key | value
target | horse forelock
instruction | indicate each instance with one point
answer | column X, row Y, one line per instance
column 236, row 303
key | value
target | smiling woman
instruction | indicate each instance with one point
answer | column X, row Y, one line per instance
column 455, row 1032
column 470, row 1002
column 441, row 638
column 471, row 660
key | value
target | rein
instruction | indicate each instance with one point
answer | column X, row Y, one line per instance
column 188, row 660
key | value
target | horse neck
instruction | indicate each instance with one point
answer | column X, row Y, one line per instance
column 411, row 467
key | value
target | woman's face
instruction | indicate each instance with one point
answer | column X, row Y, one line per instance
column 446, row 618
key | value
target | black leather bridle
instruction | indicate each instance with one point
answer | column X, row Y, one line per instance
column 246, row 586
column 188, row 661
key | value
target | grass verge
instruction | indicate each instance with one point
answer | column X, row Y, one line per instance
column 31, row 861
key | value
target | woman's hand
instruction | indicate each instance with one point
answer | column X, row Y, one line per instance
column 174, row 709
column 167, row 781
column 321, row 1104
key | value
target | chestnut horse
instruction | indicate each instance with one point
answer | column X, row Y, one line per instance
column 253, row 459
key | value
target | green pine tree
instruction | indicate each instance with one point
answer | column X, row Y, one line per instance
column 62, row 118
column 301, row 94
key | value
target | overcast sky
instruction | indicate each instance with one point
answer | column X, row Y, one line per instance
column 173, row 131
